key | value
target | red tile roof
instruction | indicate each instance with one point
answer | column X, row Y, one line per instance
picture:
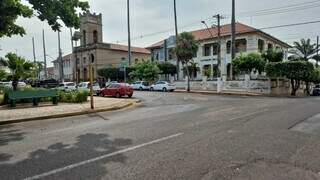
column 204, row 34
column 125, row 48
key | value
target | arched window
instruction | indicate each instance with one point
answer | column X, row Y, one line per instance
column 95, row 36
column 84, row 34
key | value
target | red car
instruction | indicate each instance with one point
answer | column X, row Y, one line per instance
column 117, row 90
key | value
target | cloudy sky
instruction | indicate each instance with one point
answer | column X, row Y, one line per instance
column 152, row 20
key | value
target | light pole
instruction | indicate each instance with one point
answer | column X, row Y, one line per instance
column 129, row 32
column 211, row 69
column 219, row 87
column 177, row 34
column 233, row 37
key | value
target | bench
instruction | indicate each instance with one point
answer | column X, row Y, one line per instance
column 35, row 95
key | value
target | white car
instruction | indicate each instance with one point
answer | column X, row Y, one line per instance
column 140, row 85
column 9, row 84
column 85, row 86
column 163, row 86
column 67, row 86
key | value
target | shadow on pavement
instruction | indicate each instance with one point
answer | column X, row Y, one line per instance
column 60, row 155
column 7, row 135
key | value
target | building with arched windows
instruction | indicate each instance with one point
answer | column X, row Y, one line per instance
column 93, row 50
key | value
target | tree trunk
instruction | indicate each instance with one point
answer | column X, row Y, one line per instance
column 188, row 75
column 295, row 85
column 15, row 82
column 308, row 88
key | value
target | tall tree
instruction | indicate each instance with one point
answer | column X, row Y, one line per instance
column 185, row 49
column 3, row 74
column 145, row 70
column 273, row 55
column 52, row 11
column 303, row 50
column 19, row 68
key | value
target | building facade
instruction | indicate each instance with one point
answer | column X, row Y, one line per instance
column 68, row 68
column 248, row 40
column 93, row 50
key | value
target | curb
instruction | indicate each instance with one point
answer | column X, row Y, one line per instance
column 114, row 108
column 223, row 93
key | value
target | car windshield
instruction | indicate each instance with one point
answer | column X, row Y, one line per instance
column 70, row 84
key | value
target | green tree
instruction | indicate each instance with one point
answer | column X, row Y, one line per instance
column 3, row 74
column 193, row 69
column 19, row 68
column 296, row 71
column 273, row 55
column 108, row 73
column 247, row 63
column 52, row 11
column 167, row 68
column 145, row 70
column 185, row 49
column 303, row 50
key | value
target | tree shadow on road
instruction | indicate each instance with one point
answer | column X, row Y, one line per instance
column 9, row 134
column 60, row 155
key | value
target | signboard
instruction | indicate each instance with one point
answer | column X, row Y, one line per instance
column 124, row 63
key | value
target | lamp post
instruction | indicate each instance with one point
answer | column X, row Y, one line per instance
column 219, row 87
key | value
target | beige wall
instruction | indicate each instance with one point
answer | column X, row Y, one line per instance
column 104, row 58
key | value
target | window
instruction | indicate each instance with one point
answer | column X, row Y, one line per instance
column 241, row 45
column 228, row 47
column 207, row 50
column 270, row 46
column 260, row 45
column 215, row 49
column 95, row 36
column 84, row 34
column 171, row 54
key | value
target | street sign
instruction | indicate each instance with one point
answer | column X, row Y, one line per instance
column 124, row 63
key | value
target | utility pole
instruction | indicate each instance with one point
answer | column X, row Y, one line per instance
column 129, row 33
column 44, row 55
column 60, row 59
column 34, row 51
column 177, row 34
column 233, row 37
column 72, row 55
column 91, row 81
column 317, row 65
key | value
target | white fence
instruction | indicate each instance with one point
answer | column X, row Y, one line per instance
column 253, row 86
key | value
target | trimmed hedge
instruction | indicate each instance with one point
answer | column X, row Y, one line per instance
column 73, row 97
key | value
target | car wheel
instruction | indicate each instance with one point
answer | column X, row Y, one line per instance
column 130, row 95
column 118, row 95
column 164, row 89
column 140, row 89
column 151, row 89
column 101, row 94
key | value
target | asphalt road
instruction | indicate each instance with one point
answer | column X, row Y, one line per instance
column 171, row 136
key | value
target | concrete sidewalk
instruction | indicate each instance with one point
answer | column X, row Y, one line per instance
column 24, row 113
column 232, row 93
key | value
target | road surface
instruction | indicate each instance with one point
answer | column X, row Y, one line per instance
column 171, row 136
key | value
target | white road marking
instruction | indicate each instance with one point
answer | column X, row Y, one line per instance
column 72, row 166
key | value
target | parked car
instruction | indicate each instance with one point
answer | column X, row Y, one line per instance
column 163, row 86
column 50, row 83
column 316, row 90
column 85, row 86
column 140, row 85
column 67, row 86
column 9, row 84
column 117, row 90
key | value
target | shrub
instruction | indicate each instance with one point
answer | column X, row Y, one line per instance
column 73, row 97
column 246, row 63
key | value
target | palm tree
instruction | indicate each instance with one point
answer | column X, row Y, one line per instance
column 304, row 50
column 19, row 68
column 185, row 49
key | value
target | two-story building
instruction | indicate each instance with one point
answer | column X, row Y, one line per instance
column 92, row 50
column 248, row 39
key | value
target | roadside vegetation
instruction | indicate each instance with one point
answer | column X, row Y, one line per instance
column 298, row 69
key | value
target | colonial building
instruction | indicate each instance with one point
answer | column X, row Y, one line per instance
column 248, row 39
column 68, row 68
column 93, row 50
